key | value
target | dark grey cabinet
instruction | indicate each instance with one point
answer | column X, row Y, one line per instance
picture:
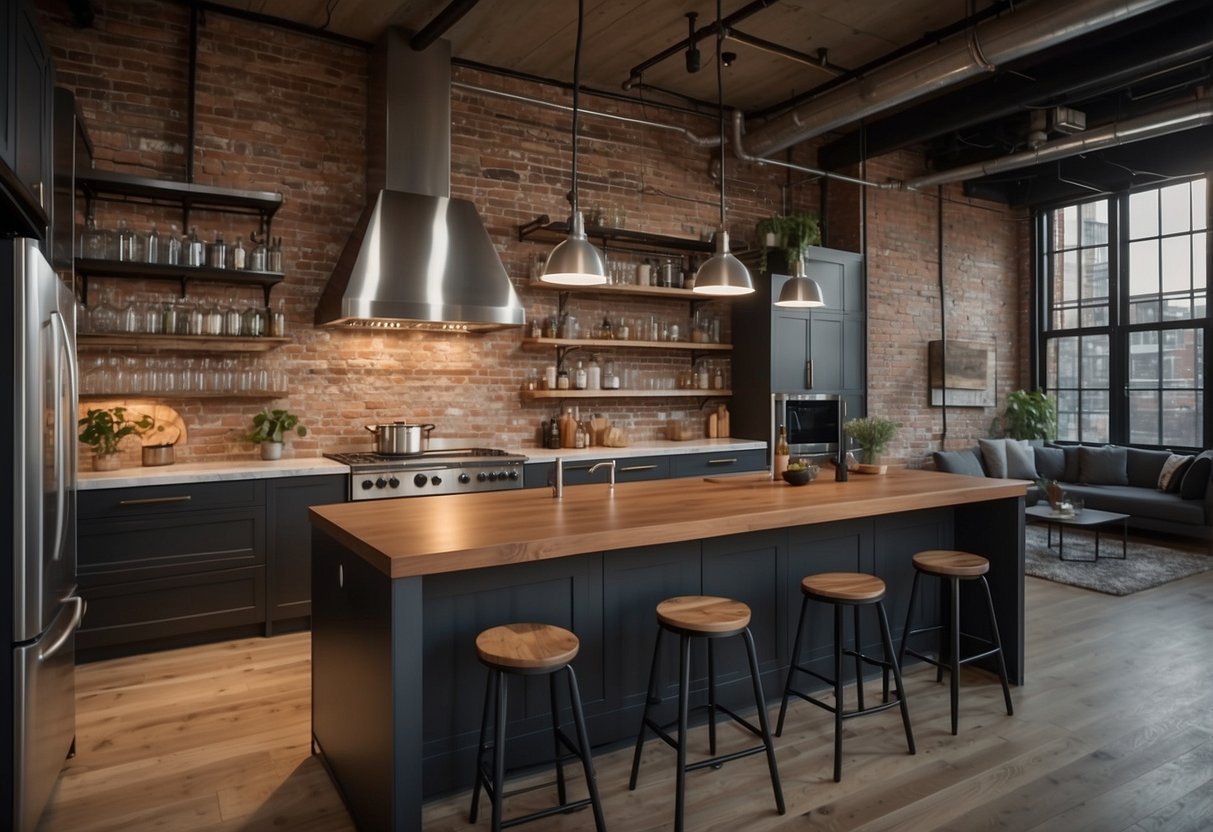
column 821, row 350
column 26, row 118
column 637, row 468
column 289, row 544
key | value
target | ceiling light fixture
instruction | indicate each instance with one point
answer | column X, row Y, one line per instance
column 722, row 273
column 576, row 262
column 801, row 291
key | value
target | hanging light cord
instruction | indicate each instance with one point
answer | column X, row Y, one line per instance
column 720, row 101
column 577, row 98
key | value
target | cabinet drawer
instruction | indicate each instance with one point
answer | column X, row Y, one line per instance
column 719, row 462
column 152, row 500
column 136, row 611
column 629, row 469
column 143, row 547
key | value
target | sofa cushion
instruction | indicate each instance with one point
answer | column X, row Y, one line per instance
column 1140, row 502
column 1143, row 467
column 1103, row 466
column 1197, row 477
column 1050, row 463
column 994, row 457
column 1172, row 473
column 1021, row 460
column 959, row 462
column 1070, row 474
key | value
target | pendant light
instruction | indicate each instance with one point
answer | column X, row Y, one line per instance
column 801, row 291
column 722, row 273
column 575, row 262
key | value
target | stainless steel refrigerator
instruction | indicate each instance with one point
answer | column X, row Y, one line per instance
column 38, row 504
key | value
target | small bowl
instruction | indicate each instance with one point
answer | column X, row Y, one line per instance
column 802, row 477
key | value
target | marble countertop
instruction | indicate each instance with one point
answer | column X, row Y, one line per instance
column 187, row 472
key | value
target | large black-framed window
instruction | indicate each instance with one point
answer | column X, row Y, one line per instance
column 1123, row 315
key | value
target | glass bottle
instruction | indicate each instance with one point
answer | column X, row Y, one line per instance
column 718, row 380
column 553, row 437
column 258, row 255
column 126, row 241
column 172, row 246
column 218, row 259
column 782, row 453
column 701, row 378
column 151, row 250
column 194, row 249
column 278, row 320
column 238, row 254
column 274, row 257
column 579, row 440
column 92, row 240
column 580, row 379
column 562, row 380
column 252, row 325
column 593, row 375
column 214, row 320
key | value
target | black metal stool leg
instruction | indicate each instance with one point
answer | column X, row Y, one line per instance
column 499, row 749
column 583, row 745
column 787, row 685
column 887, row 638
column 650, row 699
column 858, row 660
column 760, row 702
column 473, row 813
column 905, row 633
column 1002, row 665
column 954, row 641
column 561, row 791
column 711, row 698
column 946, row 638
column 684, row 695
column 838, row 622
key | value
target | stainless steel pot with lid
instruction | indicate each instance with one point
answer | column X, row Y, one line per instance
column 401, row 438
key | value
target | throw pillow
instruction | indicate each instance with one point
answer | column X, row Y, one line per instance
column 1197, row 477
column 1145, row 466
column 994, row 454
column 1050, row 463
column 1103, row 466
column 1070, row 474
column 1021, row 460
column 958, row 462
column 1172, row 473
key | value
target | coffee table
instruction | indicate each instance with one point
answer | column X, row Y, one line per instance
column 1087, row 518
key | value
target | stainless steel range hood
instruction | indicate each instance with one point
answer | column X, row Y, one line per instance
column 417, row 259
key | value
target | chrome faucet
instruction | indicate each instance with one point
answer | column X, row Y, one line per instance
column 608, row 464
column 558, row 478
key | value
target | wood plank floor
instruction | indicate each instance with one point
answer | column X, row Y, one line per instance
column 1113, row 731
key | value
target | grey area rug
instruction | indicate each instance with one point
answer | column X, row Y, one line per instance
column 1146, row 566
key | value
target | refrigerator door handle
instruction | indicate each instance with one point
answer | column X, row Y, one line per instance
column 77, row 614
column 61, row 448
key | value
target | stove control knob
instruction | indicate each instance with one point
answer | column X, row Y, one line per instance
column 464, row 478
column 436, row 480
column 420, row 480
column 367, row 485
column 513, row 475
column 492, row 476
column 481, row 477
column 380, row 483
column 393, row 482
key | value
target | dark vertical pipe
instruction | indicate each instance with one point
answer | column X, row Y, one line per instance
column 191, row 125
column 943, row 327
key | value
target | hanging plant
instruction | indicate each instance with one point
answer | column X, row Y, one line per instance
column 793, row 232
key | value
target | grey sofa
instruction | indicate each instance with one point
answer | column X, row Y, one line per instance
column 1112, row 478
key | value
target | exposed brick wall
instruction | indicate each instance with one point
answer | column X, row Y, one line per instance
column 281, row 111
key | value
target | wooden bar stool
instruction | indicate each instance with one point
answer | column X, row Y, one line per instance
column 954, row 567
column 855, row 590
column 708, row 617
column 530, row 649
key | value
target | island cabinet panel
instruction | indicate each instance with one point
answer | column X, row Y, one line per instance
column 457, row 606
column 717, row 463
column 896, row 544
column 289, row 544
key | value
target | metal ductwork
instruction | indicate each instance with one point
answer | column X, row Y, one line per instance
column 417, row 259
column 1041, row 25
column 1172, row 120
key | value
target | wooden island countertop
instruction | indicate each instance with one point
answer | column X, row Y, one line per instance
column 405, row 538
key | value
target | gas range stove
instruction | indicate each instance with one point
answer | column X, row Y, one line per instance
column 446, row 471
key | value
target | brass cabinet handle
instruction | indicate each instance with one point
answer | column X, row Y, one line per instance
column 151, row 501
column 729, row 461
column 808, row 374
column 637, row 468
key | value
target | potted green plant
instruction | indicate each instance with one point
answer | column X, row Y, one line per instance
column 270, row 429
column 793, row 232
column 1029, row 415
column 872, row 434
column 103, row 430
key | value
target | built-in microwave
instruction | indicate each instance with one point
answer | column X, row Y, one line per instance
column 812, row 421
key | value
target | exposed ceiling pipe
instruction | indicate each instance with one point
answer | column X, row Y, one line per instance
column 740, row 152
column 444, row 20
column 693, row 138
column 990, row 44
column 1171, row 120
column 818, row 61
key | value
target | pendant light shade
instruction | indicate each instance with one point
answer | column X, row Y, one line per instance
column 801, row 291
column 576, row 262
column 722, row 273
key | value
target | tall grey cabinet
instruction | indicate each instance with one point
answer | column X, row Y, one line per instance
column 779, row 350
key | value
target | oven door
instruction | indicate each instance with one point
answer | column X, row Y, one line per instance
column 812, row 421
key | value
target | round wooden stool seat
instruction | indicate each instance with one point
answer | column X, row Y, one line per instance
column 707, row 614
column 847, row 587
column 527, row 647
column 951, row 564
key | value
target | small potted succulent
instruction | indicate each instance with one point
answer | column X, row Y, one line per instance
column 104, row 429
column 872, row 434
column 270, row 429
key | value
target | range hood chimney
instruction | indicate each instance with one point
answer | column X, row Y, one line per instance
column 417, row 259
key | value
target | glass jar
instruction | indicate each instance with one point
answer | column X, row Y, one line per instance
column 214, row 320
column 126, row 241
column 252, row 322
column 218, row 253
column 170, row 250
column 257, row 256
column 277, row 320
column 194, row 249
column 151, row 248
column 238, row 255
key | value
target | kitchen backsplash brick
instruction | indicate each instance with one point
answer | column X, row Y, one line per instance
column 282, row 111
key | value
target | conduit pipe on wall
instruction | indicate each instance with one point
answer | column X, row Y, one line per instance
column 740, row 152
column 1039, row 26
